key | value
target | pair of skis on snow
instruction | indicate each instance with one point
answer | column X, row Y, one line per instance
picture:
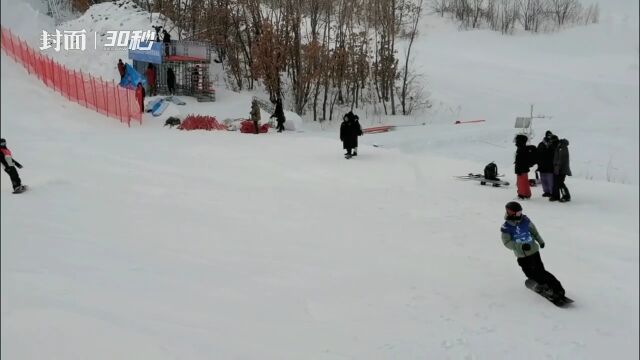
column 483, row 180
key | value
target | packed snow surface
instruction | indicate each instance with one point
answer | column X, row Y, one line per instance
column 153, row 243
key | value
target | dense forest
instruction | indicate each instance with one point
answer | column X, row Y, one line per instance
column 352, row 53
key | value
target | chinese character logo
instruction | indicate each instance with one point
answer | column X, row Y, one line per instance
column 71, row 39
column 130, row 39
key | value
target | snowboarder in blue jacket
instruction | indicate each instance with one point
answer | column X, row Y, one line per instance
column 521, row 235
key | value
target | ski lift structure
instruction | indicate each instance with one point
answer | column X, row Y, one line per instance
column 189, row 60
column 524, row 124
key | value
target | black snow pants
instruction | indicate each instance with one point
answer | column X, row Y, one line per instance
column 533, row 268
column 560, row 190
column 15, row 178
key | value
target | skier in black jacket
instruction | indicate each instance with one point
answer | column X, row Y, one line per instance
column 522, row 167
column 357, row 129
column 561, row 170
column 279, row 115
column 9, row 164
column 171, row 81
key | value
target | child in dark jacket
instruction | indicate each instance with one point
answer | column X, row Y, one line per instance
column 10, row 164
column 521, row 235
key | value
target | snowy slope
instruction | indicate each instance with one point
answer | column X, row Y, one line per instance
column 146, row 243
column 100, row 18
column 27, row 19
column 584, row 78
column 150, row 243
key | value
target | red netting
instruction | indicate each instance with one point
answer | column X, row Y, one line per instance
column 201, row 122
column 94, row 93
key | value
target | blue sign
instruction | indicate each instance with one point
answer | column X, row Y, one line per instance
column 153, row 55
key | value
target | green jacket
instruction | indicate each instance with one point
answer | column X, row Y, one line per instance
column 255, row 111
column 517, row 248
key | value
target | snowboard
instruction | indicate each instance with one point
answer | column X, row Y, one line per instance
column 471, row 176
column 533, row 286
column 484, row 181
column 20, row 189
column 494, row 183
column 175, row 100
column 153, row 104
column 160, row 108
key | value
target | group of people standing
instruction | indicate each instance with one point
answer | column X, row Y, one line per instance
column 151, row 76
column 150, row 72
column 552, row 160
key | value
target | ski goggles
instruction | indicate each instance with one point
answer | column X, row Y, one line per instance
column 514, row 213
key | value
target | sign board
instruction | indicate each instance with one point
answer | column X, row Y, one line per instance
column 523, row 122
column 153, row 55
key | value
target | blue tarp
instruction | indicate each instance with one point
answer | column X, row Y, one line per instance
column 132, row 78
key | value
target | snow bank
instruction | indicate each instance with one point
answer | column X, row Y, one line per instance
column 175, row 244
column 98, row 19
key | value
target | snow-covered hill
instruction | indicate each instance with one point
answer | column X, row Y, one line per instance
column 151, row 243
column 583, row 79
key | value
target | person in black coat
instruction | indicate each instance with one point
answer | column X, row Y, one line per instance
column 166, row 39
column 171, row 81
column 348, row 135
column 357, row 130
column 279, row 115
column 545, row 152
column 561, row 169
column 350, row 129
column 522, row 167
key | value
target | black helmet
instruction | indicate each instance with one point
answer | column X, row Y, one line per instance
column 3, row 142
column 513, row 206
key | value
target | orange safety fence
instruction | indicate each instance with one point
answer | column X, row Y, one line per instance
column 105, row 97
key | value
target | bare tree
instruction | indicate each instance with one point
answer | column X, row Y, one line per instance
column 591, row 15
column 440, row 6
column 416, row 11
column 563, row 10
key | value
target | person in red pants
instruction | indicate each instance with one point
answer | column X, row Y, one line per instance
column 525, row 158
column 150, row 73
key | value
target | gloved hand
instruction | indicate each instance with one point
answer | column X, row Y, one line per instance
column 542, row 246
column 19, row 166
column 526, row 247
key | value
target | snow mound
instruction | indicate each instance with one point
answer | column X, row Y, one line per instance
column 97, row 21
